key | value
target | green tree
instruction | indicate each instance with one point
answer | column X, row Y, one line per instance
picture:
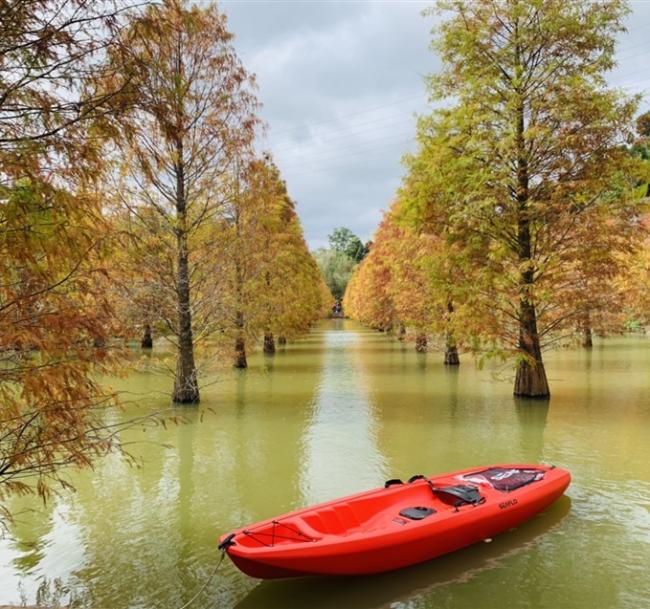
column 344, row 240
column 336, row 267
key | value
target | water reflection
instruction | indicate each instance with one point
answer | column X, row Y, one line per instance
column 146, row 536
column 434, row 418
column 340, row 446
column 532, row 416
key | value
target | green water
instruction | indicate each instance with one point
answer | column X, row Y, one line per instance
column 340, row 411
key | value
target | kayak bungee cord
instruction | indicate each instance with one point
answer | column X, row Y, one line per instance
column 273, row 535
column 207, row 581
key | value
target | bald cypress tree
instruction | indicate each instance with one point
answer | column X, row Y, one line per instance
column 527, row 147
column 187, row 116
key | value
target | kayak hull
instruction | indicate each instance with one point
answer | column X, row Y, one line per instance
column 365, row 533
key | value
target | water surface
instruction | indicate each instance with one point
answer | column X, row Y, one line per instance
column 340, row 411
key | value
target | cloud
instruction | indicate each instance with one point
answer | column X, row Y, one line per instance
column 340, row 83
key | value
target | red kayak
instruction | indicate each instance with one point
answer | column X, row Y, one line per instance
column 399, row 525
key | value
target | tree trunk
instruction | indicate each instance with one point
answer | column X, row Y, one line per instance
column 240, row 353
column 401, row 334
column 421, row 343
column 240, row 343
column 451, row 350
column 186, row 388
column 147, row 339
column 587, row 339
column 282, row 340
column 269, row 343
column 530, row 380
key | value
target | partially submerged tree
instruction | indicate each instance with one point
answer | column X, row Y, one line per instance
column 530, row 146
column 368, row 296
column 186, row 116
column 271, row 286
column 139, row 273
column 417, row 292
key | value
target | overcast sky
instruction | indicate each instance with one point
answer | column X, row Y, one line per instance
column 341, row 82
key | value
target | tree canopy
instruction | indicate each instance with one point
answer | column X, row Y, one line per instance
column 523, row 176
column 344, row 240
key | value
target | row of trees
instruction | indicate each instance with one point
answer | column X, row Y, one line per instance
column 131, row 201
column 520, row 217
column 215, row 239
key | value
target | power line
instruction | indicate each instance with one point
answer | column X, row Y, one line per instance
column 347, row 135
column 396, row 139
column 338, row 118
column 324, row 168
column 288, row 143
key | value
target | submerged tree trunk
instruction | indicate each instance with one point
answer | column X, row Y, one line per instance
column 186, row 388
column 587, row 339
column 421, row 343
column 240, row 343
column 147, row 338
column 240, row 353
column 530, row 380
column 451, row 350
column 282, row 340
column 269, row 343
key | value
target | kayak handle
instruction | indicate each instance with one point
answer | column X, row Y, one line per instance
column 227, row 542
column 392, row 481
column 416, row 477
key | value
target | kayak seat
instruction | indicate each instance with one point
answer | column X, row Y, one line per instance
column 417, row 513
column 463, row 493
